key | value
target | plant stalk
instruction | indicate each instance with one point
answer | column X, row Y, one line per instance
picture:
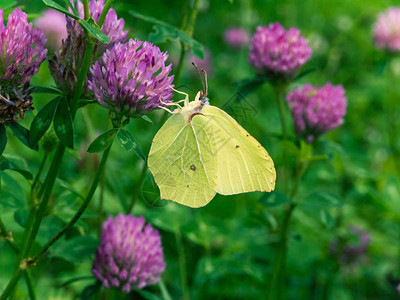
column 278, row 277
column 45, row 192
column 138, row 188
column 182, row 265
column 81, row 210
column 280, row 92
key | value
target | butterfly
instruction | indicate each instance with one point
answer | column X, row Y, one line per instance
column 201, row 150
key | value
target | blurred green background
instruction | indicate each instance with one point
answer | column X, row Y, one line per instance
column 226, row 250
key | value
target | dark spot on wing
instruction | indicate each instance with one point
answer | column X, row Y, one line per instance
column 187, row 186
column 193, row 168
column 247, row 135
column 237, row 146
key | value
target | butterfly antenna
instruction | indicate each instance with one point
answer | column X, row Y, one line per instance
column 185, row 86
column 201, row 77
column 205, row 79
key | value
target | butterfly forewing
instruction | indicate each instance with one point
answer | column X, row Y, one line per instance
column 243, row 164
column 181, row 162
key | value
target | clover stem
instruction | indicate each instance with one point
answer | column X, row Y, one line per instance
column 81, row 210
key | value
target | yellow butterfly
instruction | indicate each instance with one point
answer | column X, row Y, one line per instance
column 201, row 151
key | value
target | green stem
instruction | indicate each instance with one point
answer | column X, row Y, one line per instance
column 103, row 15
column 280, row 92
column 28, row 278
column 192, row 19
column 188, row 27
column 87, row 57
column 46, row 190
column 81, row 210
column 278, row 276
column 180, row 64
column 6, row 234
column 35, row 219
column 86, row 9
column 11, row 285
column 182, row 264
column 37, row 177
column 138, row 188
column 101, row 201
column 29, row 285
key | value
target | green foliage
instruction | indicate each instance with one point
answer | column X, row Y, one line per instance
column 163, row 32
column 42, row 120
column 103, row 141
column 63, row 124
column 23, row 135
column 128, row 142
column 3, row 138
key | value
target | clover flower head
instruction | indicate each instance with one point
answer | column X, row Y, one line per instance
column 21, row 54
column 316, row 110
column 130, row 254
column 132, row 79
column 66, row 63
column 387, row 30
column 276, row 51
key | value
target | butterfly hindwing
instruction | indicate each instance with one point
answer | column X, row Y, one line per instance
column 243, row 164
column 182, row 162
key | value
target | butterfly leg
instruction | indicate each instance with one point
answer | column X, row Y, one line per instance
column 171, row 104
column 186, row 100
column 166, row 109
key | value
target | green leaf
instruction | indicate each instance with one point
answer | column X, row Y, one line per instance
column 73, row 153
column 304, row 73
column 75, row 279
column 73, row 6
column 274, row 198
column 164, row 31
column 76, row 249
column 146, row 118
column 97, row 33
column 20, row 216
column 3, row 138
column 148, row 296
column 326, row 219
column 46, row 90
column 65, row 185
column 102, row 142
column 90, row 290
column 196, row 48
column 6, row 4
column 11, row 192
column 8, row 165
column 164, row 291
column 63, row 124
column 306, row 151
column 128, row 142
column 56, row 6
column 249, row 86
column 322, row 199
column 23, row 135
column 42, row 120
